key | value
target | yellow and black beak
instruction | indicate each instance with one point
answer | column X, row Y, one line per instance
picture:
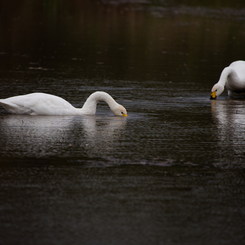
column 213, row 95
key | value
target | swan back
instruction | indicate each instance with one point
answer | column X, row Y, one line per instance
column 38, row 104
column 239, row 68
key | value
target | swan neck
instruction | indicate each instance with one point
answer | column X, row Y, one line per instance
column 226, row 73
column 90, row 105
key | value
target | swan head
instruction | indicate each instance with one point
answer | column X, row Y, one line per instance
column 119, row 110
column 216, row 91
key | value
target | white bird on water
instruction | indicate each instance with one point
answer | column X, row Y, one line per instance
column 232, row 78
column 51, row 105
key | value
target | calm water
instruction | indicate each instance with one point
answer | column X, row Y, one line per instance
column 172, row 172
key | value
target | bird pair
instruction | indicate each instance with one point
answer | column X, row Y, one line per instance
column 232, row 77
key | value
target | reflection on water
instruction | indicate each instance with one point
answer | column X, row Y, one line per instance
column 31, row 136
column 46, row 136
column 102, row 136
column 161, row 58
column 229, row 116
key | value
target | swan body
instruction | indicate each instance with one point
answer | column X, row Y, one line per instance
column 51, row 105
column 232, row 78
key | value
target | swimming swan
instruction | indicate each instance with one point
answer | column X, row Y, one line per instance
column 233, row 78
column 51, row 105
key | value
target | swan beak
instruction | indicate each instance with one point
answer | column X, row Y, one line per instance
column 124, row 115
column 213, row 95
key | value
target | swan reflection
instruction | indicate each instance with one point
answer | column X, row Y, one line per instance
column 68, row 136
column 229, row 116
column 102, row 135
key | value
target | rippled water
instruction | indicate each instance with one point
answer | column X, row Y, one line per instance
column 172, row 172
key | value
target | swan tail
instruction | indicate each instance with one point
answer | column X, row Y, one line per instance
column 15, row 109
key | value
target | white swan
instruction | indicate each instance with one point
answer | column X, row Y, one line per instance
column 51, row 105
column 232, row 78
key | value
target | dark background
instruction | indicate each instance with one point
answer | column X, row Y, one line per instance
column 172, row 172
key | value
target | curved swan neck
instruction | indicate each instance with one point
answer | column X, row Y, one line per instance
column 226, row 74
column 90, row 105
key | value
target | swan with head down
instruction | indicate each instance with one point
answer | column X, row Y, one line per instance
column 232, row 78
column 51, row 105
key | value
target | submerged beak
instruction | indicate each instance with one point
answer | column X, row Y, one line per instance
column 213, row 95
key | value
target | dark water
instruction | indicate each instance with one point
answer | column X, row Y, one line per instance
column 172, row 172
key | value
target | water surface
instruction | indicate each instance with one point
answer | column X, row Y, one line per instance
column 172, row 172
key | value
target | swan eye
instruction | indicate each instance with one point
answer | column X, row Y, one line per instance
column 123, row 114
